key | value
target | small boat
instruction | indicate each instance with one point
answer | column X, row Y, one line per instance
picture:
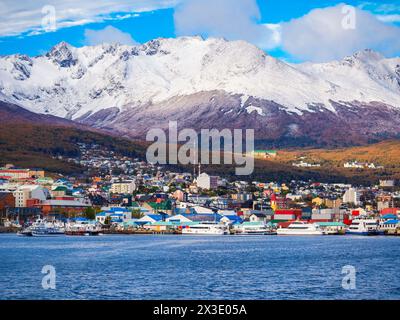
column 301, row 228
column 206, row 229
column 364, row 227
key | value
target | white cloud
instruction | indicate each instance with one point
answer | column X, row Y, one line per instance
column 20, row 17
column 276, row 34
column 386, row 12
column 233, row 20
column 320, row 35
column 317, row 36
column 379, row 7
column 391, row 18
column 108, row 35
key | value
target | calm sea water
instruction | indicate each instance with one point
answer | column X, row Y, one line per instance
column 185, row 267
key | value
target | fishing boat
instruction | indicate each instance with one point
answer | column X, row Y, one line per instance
column 206, row 229
column 300, row 228
column 366, row 227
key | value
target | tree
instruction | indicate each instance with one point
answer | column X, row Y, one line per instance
column 137, row 214
column 107, row 220
column 90, row 213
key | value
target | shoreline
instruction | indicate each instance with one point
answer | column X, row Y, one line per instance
column 9, row 229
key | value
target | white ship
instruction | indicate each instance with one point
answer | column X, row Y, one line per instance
column 364, row 227
column 253, row 229
column 44, row 228
column 300, row 228
column 205, row 229
column 84, row 228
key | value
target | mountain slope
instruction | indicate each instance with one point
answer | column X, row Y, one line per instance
column 32, row 140
column 350, row 124
column 200, row 82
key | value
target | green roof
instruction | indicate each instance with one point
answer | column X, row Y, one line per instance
column 278, row 221
column 61, row 188
column 166, row 205
column 44, row 179
column 248, row 223
column 135, row 204
column 331, row 224
column 163, row 223
column 265, row 151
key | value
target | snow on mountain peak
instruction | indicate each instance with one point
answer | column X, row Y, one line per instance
column 71, row 82
column 368, row 55
column 363, row 57
column 62, row 54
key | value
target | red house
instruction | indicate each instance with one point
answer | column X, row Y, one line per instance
column 389, row 211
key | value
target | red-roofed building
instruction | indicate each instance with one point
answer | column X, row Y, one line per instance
column 7, row 200
column 15, row 173
column 32, row 203
column 69, row 206
column 21, row 174
column 288, row 214
column 389, row 211
column 355, row 213
column 279, row 202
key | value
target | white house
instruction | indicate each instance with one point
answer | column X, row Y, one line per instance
column 151, row 218
column 351, row 196
column 123, row 187
column 116, row 214
column 25, row 192
column 200, row 210
column 260, row 216
column 207, row 182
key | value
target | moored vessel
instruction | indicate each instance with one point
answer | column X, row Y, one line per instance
column 364, row 227
column 44, row 228
column 205, row 228
column 83, row 228
column 251, row 228
column 300, row 228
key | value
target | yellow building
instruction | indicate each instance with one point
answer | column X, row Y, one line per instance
column 318, row 201
column 123, row 187
column 36, row 173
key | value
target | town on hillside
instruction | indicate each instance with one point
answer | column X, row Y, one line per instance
column 130, row 196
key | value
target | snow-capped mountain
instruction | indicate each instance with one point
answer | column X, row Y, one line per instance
column 200, row 82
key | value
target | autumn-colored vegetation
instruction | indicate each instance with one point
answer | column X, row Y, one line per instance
column 31, row 140
column 28, row 145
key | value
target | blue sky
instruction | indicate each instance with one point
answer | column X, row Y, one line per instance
column 302, row 30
